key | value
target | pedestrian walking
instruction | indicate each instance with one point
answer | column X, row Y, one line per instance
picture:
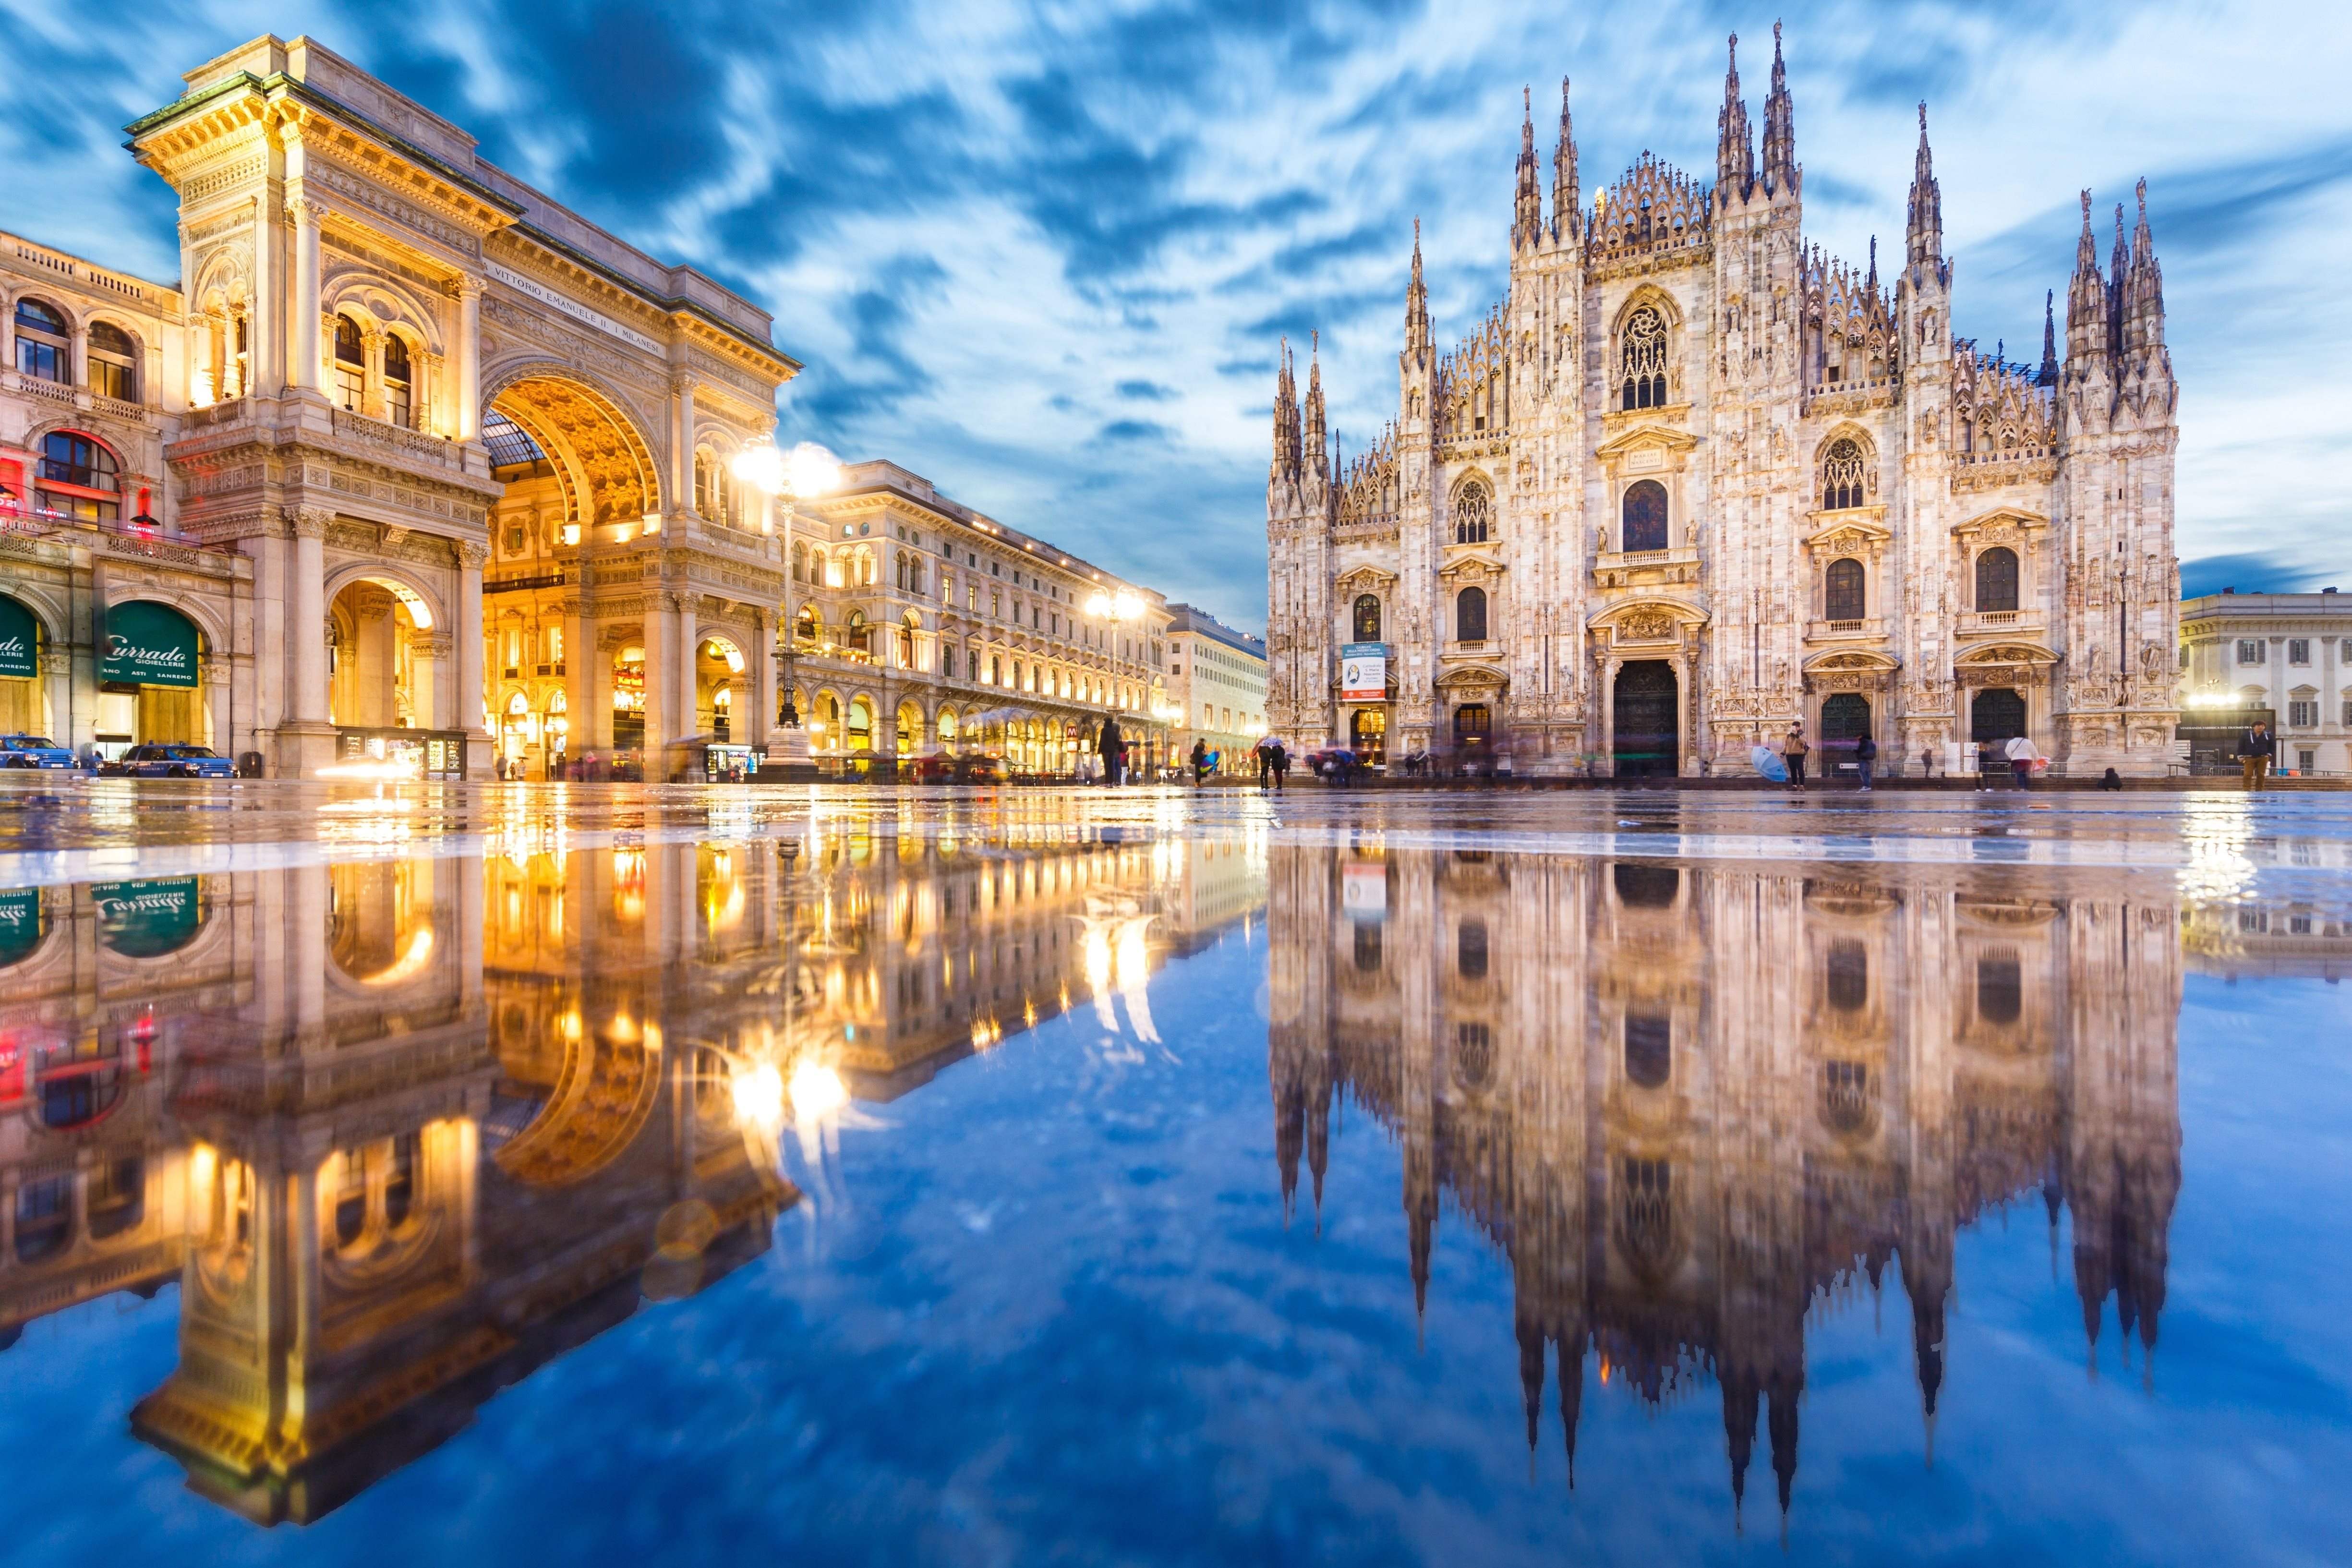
column 2255, row 748
column 1281, row 761
column 1264, row 753
column 2020, row 761
column 1793, row 752
column 1927, row 761
column 1107, row 746
column 1199, row 762
column 1866, row 753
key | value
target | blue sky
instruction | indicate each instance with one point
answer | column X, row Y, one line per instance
column 1042, row 254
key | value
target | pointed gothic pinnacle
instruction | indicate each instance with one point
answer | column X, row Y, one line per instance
column 2143, row 198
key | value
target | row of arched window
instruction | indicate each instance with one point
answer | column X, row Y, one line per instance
column 397, row 376
column 44, row 351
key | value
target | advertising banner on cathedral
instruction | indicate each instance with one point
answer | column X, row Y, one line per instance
column 1363, row 672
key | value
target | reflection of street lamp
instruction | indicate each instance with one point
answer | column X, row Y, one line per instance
column 808, row 470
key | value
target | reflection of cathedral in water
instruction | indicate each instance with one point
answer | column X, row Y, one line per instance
column 1685, row 1102
column 404, row 1131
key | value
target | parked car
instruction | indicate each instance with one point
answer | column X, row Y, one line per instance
column 941, row 768
column 176, row 762
column 32, row 751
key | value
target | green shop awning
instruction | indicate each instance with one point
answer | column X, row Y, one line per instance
column 150, row 919
column 20, row 924
column 146, row 644
column 20, row 640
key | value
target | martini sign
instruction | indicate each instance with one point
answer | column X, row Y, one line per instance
column 147, row 644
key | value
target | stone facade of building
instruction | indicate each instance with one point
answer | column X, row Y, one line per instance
column 918, row 625
column 1693, row 481
column 2285, row 655
column 1216, row 682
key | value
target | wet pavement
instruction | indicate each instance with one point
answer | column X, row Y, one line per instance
column 603, row 1174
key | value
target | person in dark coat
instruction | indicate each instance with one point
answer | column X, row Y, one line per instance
column 1865, row 754
column 1279, row 756
column 1108, row 746
column 1199, row 762
column 2255, row 748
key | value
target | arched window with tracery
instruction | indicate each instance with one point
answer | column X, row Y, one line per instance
column 399, row 382
column 1844, row 600
column 44, row 342
column 1997, row 580
column 1645, row 515
column 853, row 634
column 1844, row 476
column 1642, row 360
column 800, row 562
column 79, row 477
column 351, row 366
column 1368, row 617
column 1473, row 509
column 907, row 641
column 113, row 362
column 1470, row 615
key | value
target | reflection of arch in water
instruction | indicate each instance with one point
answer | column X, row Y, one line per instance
column 601, row 1099
column 380, row 921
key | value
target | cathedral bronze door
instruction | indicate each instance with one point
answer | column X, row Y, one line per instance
column 1997, row 715
column 1648, row 724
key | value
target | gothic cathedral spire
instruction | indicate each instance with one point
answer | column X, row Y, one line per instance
column 1566, row 201
column 1286, row 440
column 1416, row 307
column 1780, row 127
column 1317, row 450
column 2086, row 300
column 2144, row 298
column 1925, row 233
column 1526, row 223
column 1734, row 151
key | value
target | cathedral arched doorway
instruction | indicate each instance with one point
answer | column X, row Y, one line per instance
column 1997, row 713
column 1368, row 735
column 1845, row 716
column 1648, row 732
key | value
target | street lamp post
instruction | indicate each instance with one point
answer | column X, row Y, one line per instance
column 807, row 471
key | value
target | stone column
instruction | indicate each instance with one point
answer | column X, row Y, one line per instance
column 372, row 401
column 681, row 468
column 662, row 718
column 466, row 355
column 80, row 363
column 471, row 659
column 1608, row 715
column 760, row 661
column 429, row 654
column 305, row 653
column 303, row 340
column 585, row 689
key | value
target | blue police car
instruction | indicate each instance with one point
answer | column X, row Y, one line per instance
column 32, row 751
column 176, row 762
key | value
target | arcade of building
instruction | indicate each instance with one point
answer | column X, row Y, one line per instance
column 415, row 463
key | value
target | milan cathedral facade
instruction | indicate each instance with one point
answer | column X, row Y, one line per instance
column 1694, row 481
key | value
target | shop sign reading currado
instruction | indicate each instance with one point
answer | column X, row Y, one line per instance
column 147, row 644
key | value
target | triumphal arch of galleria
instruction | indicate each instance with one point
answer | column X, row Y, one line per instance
column 390, row 366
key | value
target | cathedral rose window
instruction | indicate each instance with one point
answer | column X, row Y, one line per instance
column 1642, row 360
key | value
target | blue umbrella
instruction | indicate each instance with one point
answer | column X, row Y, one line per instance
column 1768, row 763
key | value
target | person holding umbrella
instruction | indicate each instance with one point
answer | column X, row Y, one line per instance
column 1792, row 755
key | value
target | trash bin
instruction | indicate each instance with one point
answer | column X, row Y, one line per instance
column 249, row 764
